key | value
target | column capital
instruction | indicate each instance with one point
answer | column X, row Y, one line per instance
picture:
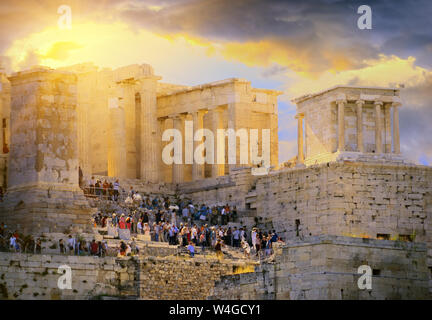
column 396, row 104
column 177, row 116
column 299, row 115
column 217, row 109
column 198, row 112
column 378, row 103
column 360, row 102
column 341, row 101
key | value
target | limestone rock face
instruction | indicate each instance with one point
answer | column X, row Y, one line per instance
column 43, row 192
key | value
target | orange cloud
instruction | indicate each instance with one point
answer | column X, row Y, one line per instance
column 61, row 50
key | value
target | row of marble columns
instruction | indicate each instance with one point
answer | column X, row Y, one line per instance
column 123, row 97
column 359, row 112
column 378, row 126
column 197, row 118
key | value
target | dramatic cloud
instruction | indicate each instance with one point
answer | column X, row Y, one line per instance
column 297, row 46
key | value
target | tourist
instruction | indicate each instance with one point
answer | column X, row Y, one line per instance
column 128, row 222
column 194, row 234
column 202, row 241
column 103, row 248
column 191, row 249
column 258, row 246
column 228, row 237
column 13, row 243
column 2, row 229
column 92, row 184
column 140, row 226
column 134, row 247
column 116, row 190
column 131, row 192
column 267, row 246
column 94, row 248
column 71, row 244
column 98, row 188
column 122, row 249
column 254, row 238
column 122, row 222
column 185, row 214
column 246, row 248
column 218, row 249
column 243, row 234
column 146, row 231
column 62, row 247
column 38, row 246
column 236, row 237
column 223, row 215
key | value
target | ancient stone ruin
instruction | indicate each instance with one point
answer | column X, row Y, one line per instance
column 349, row 198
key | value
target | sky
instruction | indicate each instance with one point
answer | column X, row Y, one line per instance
column 297, row 47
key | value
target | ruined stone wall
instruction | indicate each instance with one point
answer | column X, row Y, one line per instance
column 353, row 199
column 326, row 268
column 31, row 276
column 181, row 278
column 231, row 189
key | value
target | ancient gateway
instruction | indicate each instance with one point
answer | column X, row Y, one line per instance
column 349, row 198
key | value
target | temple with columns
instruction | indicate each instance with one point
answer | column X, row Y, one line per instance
column 349, row 123
column 123, row 113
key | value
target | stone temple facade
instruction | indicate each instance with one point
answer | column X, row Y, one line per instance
column 349, row 198
column 122, row 114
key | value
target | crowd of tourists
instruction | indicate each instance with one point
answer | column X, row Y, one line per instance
column 105, row 189
column 179, row 222
column 13, row 241
column 186, row 224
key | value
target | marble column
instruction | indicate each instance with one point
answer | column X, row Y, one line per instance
column 198, row 124
column 300, row 152
column 341, row 124
column 117, row 140
column 387, row 129
column 162, row 165
column 396, row 137
column 218, row 169
column 360, row 146
column 149, row 141
column 178, row 169
column 378, row 127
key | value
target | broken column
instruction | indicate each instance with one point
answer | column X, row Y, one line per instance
column 43, row 193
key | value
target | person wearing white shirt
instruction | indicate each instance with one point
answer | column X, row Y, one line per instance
column 71, row 244
column 254, row 238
